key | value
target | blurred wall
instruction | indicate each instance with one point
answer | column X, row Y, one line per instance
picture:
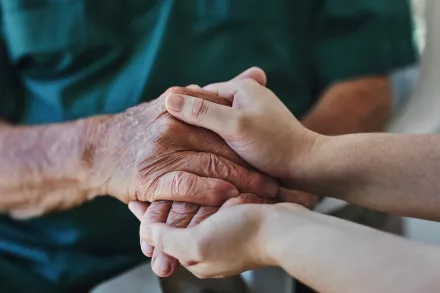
column 420, row 230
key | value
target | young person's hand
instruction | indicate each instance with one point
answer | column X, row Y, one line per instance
column 258, row 126
column 234, row 240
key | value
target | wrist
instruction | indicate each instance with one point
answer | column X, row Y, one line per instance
column 93, row 133
column 279, row 226
column 300, row 159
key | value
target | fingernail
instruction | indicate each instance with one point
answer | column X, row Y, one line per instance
column 175, row 103
column 272, row 188
column 162, row 266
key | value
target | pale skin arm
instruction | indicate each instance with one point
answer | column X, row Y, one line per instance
column 328, row 254
column 353, row 258
column 352, row 106
column 392, row 173
column 388, row 172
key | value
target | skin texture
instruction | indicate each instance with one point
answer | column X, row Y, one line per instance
column 357, row 105
column 182, row 214
column 141, row 154
column 175, row 158
column 353, row 258
column 352, row 106
column 388, row 172
column 370, row 96
column 41, row 169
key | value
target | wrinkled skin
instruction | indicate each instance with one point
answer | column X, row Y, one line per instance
column 145, row 154
column 181, row 214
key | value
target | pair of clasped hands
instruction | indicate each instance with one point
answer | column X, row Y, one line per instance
column 223, row 230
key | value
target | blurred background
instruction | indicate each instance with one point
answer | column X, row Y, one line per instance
column 415, row 88
column 421, row 230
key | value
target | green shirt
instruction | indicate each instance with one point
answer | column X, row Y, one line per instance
column 67, row 59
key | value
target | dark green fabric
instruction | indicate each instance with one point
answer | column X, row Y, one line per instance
column 76, row 58
column 361, row 37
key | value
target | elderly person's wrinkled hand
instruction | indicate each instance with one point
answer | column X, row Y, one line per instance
column 181, row 214
column 145, row 154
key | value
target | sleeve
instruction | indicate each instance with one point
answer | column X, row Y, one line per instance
column 11, row 90
column 354, row 38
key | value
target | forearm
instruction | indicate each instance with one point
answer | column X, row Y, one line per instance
column 387, row 172
column 43, row 167
column 361, row 105
column 332, row 255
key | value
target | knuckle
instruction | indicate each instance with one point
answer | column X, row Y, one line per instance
column 194, row 87
column 217, row 168
column 255, row 181
column 167, row 127
column 204, row 212
column 183, row 185
column 200, row 108
column 158, row 241
column 175, row 90
column 178, row 220
column 184, row 208
column 181, row 214
column 247, row 83
column 142, row 229
column 156, row 212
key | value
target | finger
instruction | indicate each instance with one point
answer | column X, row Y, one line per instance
column 213, row 143
column 180, row 216
column 221, row 119
column 254, row 73
column 138, row 208
column 156, row 213
column 175, row 242
column 183, row 186
column 246, row 198
column 198, row 93
column 245, row 180
column 239, row 92
column 203, row 213
column 299, row 197
column 162, row 264
column 194, row 87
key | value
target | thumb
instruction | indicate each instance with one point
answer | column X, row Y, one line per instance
column 202, row 113
column 254, row 73
column 176, row 242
